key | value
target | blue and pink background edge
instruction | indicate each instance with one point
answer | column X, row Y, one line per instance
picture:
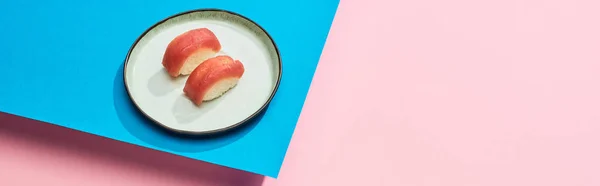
column 63, row 62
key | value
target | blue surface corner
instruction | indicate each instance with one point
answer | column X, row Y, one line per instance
column 62, row 63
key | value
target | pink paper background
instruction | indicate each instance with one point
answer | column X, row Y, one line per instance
column 419, row 93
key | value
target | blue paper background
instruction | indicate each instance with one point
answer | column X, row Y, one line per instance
column 61, row 62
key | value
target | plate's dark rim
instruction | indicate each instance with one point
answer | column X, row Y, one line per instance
column 212, row 132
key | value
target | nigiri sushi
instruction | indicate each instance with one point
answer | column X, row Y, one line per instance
column 188, row 50
column 213, row 78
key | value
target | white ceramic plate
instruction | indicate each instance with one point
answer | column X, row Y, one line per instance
column 161, row 98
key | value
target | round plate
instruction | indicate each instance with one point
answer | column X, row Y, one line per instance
column 161, row 98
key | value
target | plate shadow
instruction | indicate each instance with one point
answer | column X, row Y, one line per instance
column 143, row 128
